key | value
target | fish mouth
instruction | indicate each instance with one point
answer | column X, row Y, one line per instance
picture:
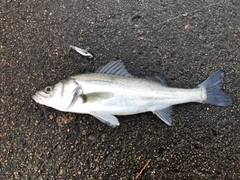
column 39, row 97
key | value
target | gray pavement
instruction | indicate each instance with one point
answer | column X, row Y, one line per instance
column 185, row 41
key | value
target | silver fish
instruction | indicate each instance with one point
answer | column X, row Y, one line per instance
column 112, row 90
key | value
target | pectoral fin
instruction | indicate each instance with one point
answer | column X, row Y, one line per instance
column 165, row 115
column 96, row 96
column 106, row 118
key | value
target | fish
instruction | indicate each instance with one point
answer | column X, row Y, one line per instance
column 112, row 91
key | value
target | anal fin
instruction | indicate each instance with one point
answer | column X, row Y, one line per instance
column 165, row 115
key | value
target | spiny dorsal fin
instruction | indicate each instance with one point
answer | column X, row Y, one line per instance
column 114, row 68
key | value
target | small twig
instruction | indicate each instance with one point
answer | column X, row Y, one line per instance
column 139, row 174
column 81, row 51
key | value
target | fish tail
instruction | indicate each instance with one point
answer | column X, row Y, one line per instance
column 215, row 95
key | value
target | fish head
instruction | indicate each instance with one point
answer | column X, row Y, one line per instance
column 59, row 96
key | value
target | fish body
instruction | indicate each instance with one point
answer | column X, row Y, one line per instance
column 127, row 95
column 113, row 91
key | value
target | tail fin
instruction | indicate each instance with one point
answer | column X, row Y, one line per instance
column 215, row 95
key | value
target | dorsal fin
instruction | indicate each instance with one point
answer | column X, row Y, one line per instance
column 161, row 79
column 114, row 68
column 158, row 79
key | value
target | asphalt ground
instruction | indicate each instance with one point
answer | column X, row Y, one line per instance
column 185, row 41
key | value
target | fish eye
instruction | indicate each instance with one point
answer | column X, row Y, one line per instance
column 48, row 89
